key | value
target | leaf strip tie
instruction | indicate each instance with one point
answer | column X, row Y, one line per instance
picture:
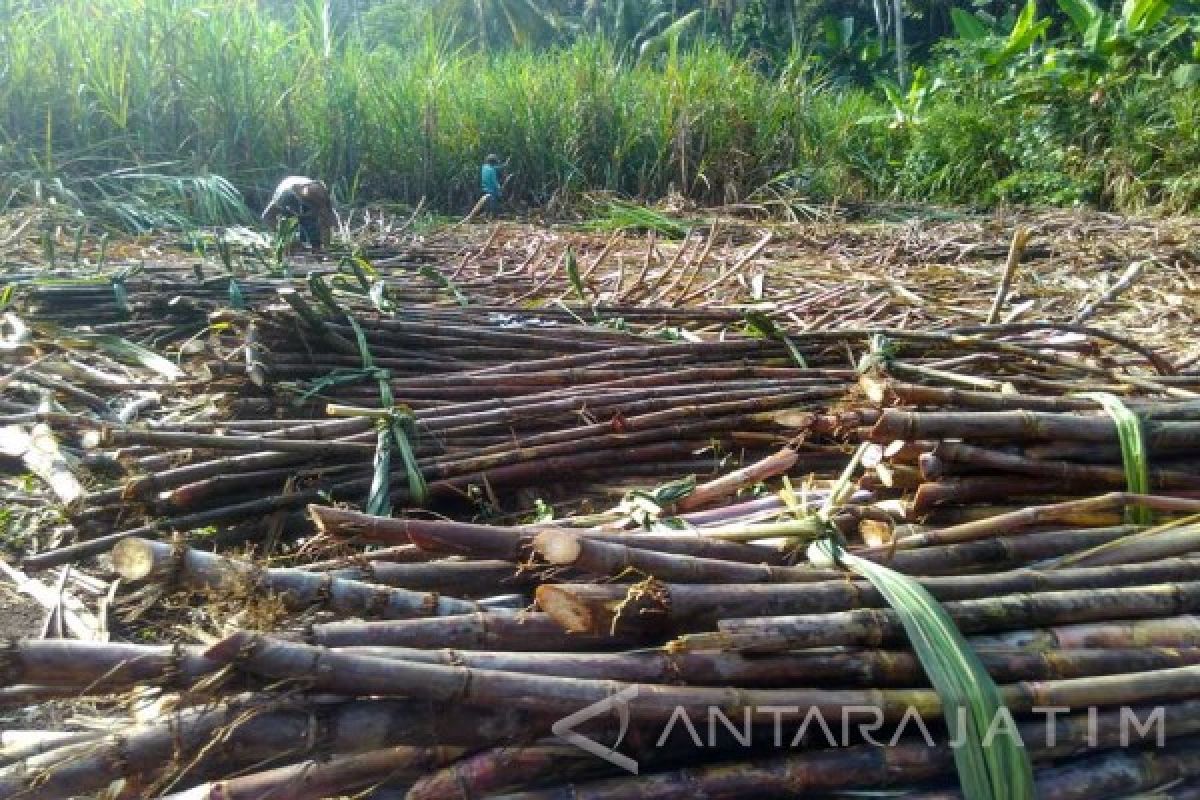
column 1133, row 450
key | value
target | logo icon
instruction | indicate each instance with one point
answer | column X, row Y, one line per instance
column 565, row 728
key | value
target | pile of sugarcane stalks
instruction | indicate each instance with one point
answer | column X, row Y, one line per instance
column 1069, row 268
column 571, row 412
column 174, row 293
column 1075, row 268
column 954, row 448
column 494, row 410
column 1075, row 272
column 501, row 268
column 431, row 356
column 640, row 430
column 922, row 274
column 403, row 670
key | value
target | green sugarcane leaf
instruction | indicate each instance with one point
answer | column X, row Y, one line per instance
column 573, row 275
column 285, row 234
column 379, row 498
column 362, row 269
column 237, row 300
column 674, row 491
column 360, row 337
column 626, row 216
column 385, row 389
column 324, row 295
column 794, row 352
column 669, row 37
column 761, row 325
column 303, row 309
column 368, row 365
column 338, row 377
column 403, row 424
column 363, row 263
column 120, row 294
column 971, row 702
column 440, row 279
column 1133, row 450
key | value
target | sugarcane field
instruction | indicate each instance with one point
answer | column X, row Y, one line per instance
column 596, row 400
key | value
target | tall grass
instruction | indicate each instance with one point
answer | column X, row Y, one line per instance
column 88, row 88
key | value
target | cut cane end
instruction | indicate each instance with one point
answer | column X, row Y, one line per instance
column 558, row 547
column 571, row 615
column 132, row 559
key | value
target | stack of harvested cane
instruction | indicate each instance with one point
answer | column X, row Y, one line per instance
column 950, row 447
column 425, row 658
column 696, row 624
column 492, row 410
column 721, row 624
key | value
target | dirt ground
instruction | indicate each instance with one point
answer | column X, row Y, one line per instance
column 20, row 616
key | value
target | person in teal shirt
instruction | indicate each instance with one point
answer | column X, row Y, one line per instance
column 489, row 176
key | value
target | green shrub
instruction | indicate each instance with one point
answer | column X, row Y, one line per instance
column 398, row 108
column 955, row 153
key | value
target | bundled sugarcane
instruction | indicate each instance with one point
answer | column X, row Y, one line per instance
column 322, row 506
column 642, row 414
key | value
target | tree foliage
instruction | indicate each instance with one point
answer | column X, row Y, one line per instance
column 1058, row 101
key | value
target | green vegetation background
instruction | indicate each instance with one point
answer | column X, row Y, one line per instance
column 131, row 108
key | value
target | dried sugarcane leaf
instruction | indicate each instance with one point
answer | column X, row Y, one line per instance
column 119, row 348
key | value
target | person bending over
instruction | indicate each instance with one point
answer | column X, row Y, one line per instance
column 308, row 202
